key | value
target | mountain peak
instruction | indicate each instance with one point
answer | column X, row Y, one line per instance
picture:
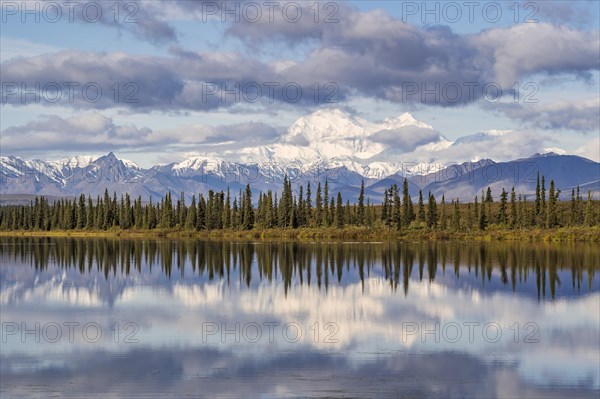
column 406, row 119
column 111, row 157
column 547, row 154
column 78, row 161
column 328, row 124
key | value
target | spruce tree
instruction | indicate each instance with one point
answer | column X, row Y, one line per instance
column 81, row 214
column 385, row 209
column 318, row 207
column 227, row 211
column 361, row 204
column 107, row 221
column 331, row 210
column 483, row 220
column 421, row 209
column 579, row 207
column 521, row 212
column 431, row 212
column 407, row 208
column 326, row 219
column 370, row 213
column 90, row 215
column 299, row 216
column 192, row 215
column 470, row 218
column 339, row 212
column 269, row 211
column 248, row 221
column 551, row 217
column 235, row 215
column 396, row 207
column 502, row 218
column 589, row 211
column 543, row 197
column 308, row 208
column 538, row 200
column 513, row 208
column 350, row 214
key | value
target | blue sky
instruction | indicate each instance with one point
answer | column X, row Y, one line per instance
column 168, row 57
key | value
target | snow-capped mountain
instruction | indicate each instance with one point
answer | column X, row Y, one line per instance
column 332, row 139
column 327, row 144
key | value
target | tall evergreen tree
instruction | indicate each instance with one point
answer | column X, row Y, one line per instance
column 192, row 215
column 248, row 221
column 81, row 214
column 299, row 216
column 502, row 215
column 318, row 207
column 227, row 211
column 431, row 212
column 396, row 206
column 270, row 210
column 543, row 197
column 361, row 204
column 90, row 215
column 514, row 217
column 551, row 217
column 326, row 219
column 589, row 211
column 521, row 211
column 407, row 207
column 538, row 199
column 308, row 208
column 331, row 210
column 421, row 208
column 235, row 215
column 202, row 211
column 483, row 220
column 579, row 210
column 339, row 212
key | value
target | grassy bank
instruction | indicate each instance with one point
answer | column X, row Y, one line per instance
column 589, row 234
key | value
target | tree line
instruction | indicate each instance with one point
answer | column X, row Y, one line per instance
column 222, row 210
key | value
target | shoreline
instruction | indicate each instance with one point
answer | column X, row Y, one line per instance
column 563, row 234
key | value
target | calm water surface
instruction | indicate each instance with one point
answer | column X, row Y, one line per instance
column 163, row 318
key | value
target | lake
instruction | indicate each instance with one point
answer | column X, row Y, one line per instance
column 101, row 318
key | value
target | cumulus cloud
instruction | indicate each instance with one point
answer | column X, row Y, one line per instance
column 143, row 19
column 581, row 116
column 366, row 53
column 90, row 132
column 497, row 145
column 406, row 138
column 522, row 50
column 93, row 132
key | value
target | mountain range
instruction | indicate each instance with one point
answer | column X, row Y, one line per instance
column 327, row 144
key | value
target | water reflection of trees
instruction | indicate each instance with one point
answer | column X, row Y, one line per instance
column 316, row 263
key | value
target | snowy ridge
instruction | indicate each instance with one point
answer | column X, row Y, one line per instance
column 324, row 140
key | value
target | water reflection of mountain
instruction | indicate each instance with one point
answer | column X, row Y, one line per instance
column 105, row 267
